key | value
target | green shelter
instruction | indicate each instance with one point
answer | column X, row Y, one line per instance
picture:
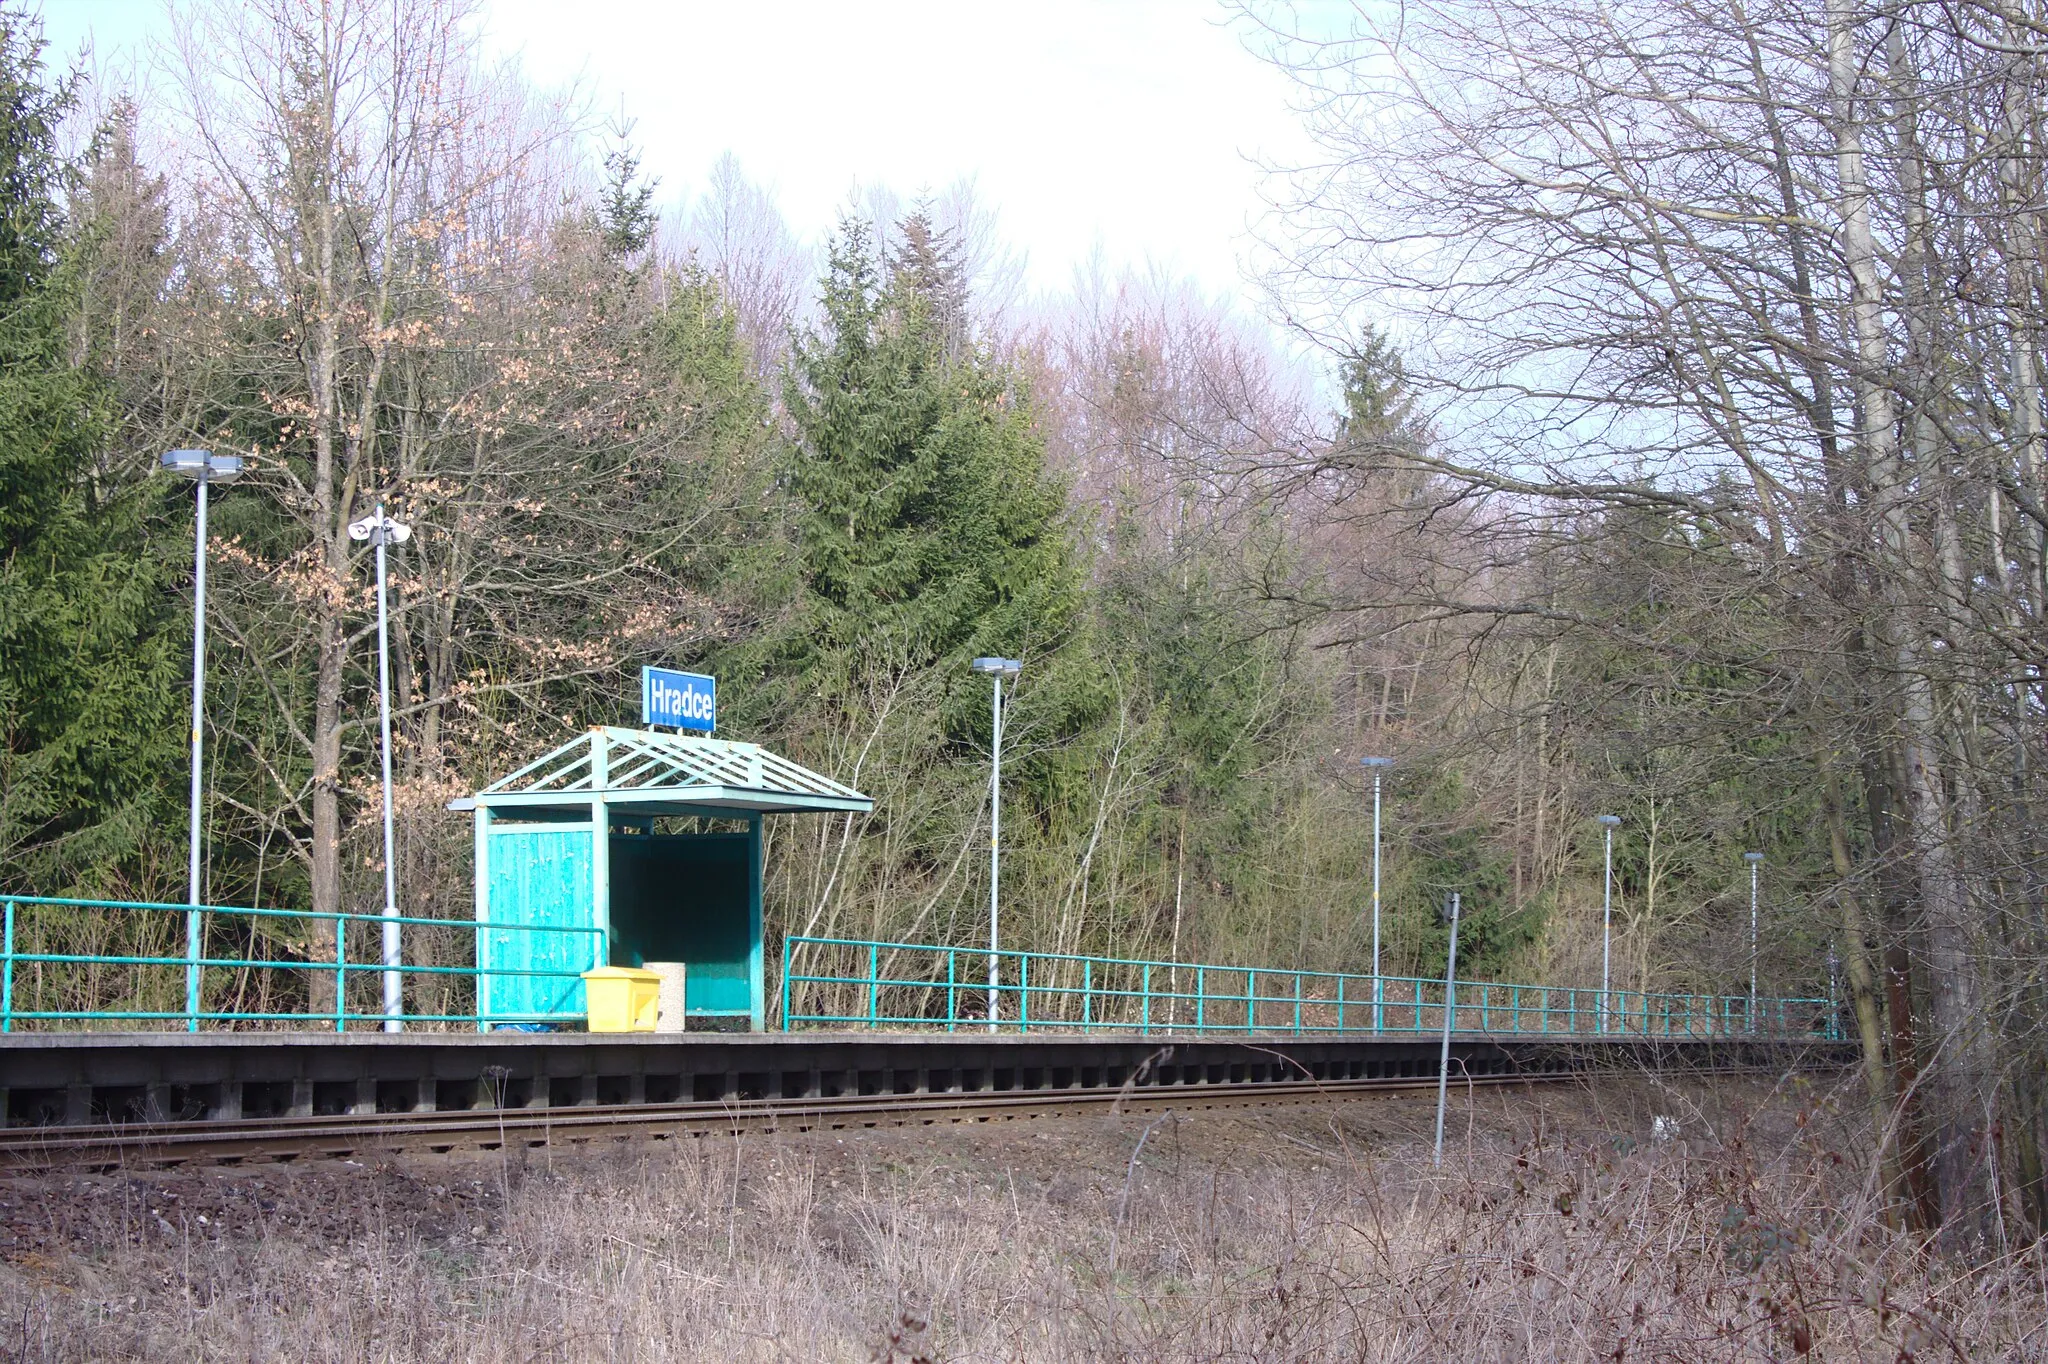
column 652, row 839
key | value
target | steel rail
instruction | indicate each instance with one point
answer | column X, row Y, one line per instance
column 29, row 1149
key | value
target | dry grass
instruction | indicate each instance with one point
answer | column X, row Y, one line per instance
column 1559, row 1230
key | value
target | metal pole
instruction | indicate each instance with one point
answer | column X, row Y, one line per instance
column 1606, row 925
column 1834, row 993
column 1377, row 993
column 1443, row 1064
column 394, row 994
column 995, row 844
column 192, row 916
column 1752, row 943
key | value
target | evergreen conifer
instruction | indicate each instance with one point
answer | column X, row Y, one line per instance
column 88, row 683
column 929, row 529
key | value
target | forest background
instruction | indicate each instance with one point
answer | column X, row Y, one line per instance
column 1669, row 446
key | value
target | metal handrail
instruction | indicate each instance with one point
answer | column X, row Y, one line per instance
column 921, row 985
column 917, row 985
column 195, row 1014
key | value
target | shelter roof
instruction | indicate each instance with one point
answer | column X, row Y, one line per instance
column 650, row 772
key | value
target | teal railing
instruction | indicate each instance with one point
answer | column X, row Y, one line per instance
column 848, row 982
column 126, row 964
column 137, row 964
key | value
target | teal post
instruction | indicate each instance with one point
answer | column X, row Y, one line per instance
column 195, row 936
column 480, row 939
column 340, row 973
column 1087, row 981
column 1297, row 1001
column 1340, row 1003
column 601, row 852
column 787, row 956
column 1024, row 992
column 757, row 986
column 952, row 1005
column 7, row 974
column 1251, row 1001
column 874, row 980
column 1201, row 998
column 1145, row 983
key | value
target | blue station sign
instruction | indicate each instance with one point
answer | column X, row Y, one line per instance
column 682, row 700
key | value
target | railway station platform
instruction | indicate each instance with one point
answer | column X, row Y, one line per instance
column 113, row 1078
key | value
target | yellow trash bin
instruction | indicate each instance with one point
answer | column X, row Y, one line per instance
column 621, row 998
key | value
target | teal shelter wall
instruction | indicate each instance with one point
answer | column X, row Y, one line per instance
column 539, row 875
column 568, row 841
column 693, row 898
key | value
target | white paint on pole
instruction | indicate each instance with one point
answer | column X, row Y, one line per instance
column 996, row 669
column 995, row 844
column 1607, row 823
column 1378, row 990
column 1755, row 859
column 1443, row 1064
column 1378, row 984
column 204, row 467
column 381, row 531
column 192, row 916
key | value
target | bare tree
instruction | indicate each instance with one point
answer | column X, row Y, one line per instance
column 1644, row 256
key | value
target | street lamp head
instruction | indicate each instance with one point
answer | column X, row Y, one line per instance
column 396, row 532
column 1375, row 762
column 1611, row 821
column 1752, row 857
column 203, row 465
column 996, row 667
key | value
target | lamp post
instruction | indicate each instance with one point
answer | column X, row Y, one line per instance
column 1443, row 1063
column 1834, row 993
column 380, row 530
column 1377, row 766
column 1755, row 860
column 1607, row 823
column 202, row 467
column 997, row 670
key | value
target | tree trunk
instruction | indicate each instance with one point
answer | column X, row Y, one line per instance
column 330, row 538
column 1863, row 998
column 1959, row 1069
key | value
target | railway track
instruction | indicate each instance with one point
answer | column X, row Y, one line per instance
column 27, row 1150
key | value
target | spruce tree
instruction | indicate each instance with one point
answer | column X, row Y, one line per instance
column 929, row 528
column 927, row 266
column 88, row 684
column 625, row 208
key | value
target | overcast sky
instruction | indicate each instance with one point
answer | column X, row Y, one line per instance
column 1129, row 126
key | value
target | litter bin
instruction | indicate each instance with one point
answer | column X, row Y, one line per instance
column 621, row 998
column 668, row 1016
